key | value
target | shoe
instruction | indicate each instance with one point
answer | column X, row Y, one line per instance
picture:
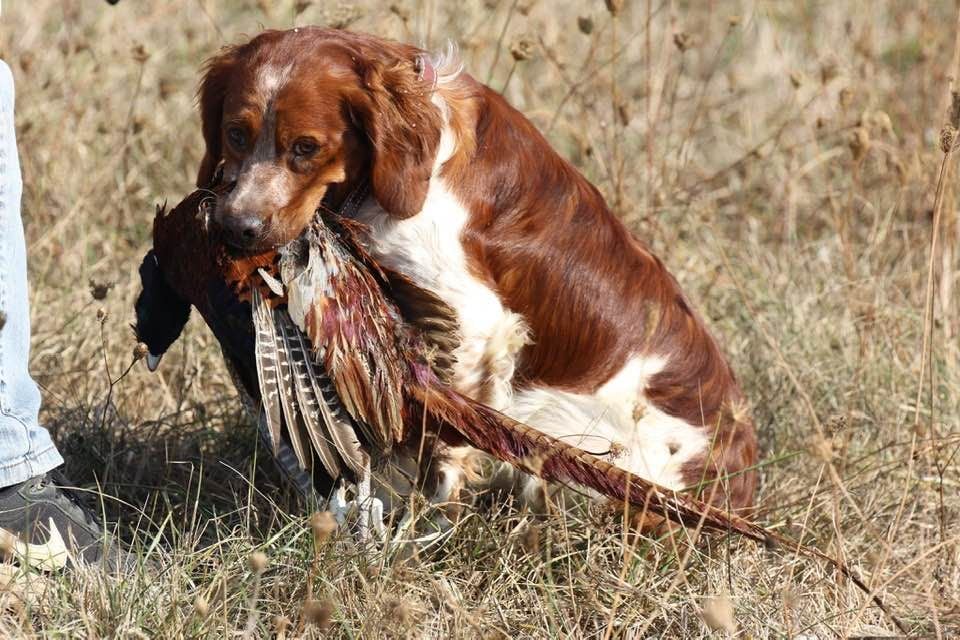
column 45, row 525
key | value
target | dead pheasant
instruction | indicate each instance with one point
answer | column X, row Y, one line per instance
column 346, row 359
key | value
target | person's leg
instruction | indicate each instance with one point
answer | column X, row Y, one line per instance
column 26, row 449
column 43, row 522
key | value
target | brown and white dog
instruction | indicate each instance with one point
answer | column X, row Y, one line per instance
column 568, row 322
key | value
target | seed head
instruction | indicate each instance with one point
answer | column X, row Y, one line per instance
column 948, row 136
column 258, row 561
column 99, row 290
column 101, row 315
column 614, row 7
column 718, row 613
column 140, row 54
column 398, row 613
column 585, row 24
column 682, row 41
column 280, row 625
column 140, row 352
column 323, row 525
column 201, row 607
column 319, row 613
column 522, row 49
column 828, row 71
column 859, row 143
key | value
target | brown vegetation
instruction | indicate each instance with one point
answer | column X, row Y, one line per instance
column 783, row 158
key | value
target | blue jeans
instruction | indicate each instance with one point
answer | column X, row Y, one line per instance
column 26, row 449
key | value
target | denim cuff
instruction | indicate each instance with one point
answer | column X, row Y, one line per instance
column 41, row 457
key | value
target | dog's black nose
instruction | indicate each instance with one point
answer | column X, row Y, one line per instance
column 244, row 230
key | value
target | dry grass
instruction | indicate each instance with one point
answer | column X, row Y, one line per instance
column 781, row 156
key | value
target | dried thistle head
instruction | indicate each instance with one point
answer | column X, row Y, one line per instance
column 836, row 424
column 323, row 525
column 718, row 613
column 140, row 54
column 258, row 562
column 319, row 613
column 828, row 71
column 859, row 143
column 280, row 625
column 99, row 290
column 682, row 41
column 614, row 7
column 140, row 351
column 523, row 49
column 948, row 137
column 398, row 615
column 201, row 607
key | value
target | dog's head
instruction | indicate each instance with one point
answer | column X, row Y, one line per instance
column 293, row 114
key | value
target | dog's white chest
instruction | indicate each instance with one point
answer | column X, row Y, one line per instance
column 427, row 248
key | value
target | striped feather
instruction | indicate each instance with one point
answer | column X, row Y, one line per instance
column 305, row 392
column 266, row 359
column 273, row 371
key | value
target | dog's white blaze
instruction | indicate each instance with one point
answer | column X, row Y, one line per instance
column 261, row 184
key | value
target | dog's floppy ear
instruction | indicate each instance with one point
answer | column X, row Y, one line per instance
column 392, row 107
column 217, row 72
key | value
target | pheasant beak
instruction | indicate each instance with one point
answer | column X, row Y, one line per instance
column 153, row 361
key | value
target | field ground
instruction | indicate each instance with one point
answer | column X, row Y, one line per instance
column 781, row 156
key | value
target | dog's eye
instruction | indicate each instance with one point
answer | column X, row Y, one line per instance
column 304, row 148
column 237, row 137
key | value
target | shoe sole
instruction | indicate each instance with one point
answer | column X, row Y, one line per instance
column 52, row 555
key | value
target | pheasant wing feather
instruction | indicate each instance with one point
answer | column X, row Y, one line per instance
column 276, row 380
column 331, row 432
column 304, row 391
column 266, row 360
